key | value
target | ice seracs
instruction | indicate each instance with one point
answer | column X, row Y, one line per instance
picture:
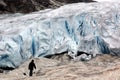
column 92, row 28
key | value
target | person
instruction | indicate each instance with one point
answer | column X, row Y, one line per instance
column 31, row 67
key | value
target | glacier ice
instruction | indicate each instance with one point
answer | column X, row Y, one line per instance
column 93, row 28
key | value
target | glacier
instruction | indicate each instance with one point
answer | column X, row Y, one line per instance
column 90, row 27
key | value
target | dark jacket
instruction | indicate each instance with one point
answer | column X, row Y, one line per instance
column 31, row 66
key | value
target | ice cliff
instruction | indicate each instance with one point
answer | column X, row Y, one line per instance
column 90, row 27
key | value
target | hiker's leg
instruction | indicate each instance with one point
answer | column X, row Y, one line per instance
column 31, row 72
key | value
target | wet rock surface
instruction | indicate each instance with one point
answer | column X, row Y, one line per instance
column 26, row 6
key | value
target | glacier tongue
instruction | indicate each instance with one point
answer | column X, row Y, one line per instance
column 93, row 28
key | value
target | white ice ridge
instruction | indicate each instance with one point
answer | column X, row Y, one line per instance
column 93, row 28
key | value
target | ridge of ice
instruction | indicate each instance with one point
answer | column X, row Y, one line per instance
column 93, row 28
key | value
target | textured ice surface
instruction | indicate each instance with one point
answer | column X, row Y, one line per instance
column 93, row 28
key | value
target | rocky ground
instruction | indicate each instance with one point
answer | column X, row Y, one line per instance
column 103, row 67
column 26, row 6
